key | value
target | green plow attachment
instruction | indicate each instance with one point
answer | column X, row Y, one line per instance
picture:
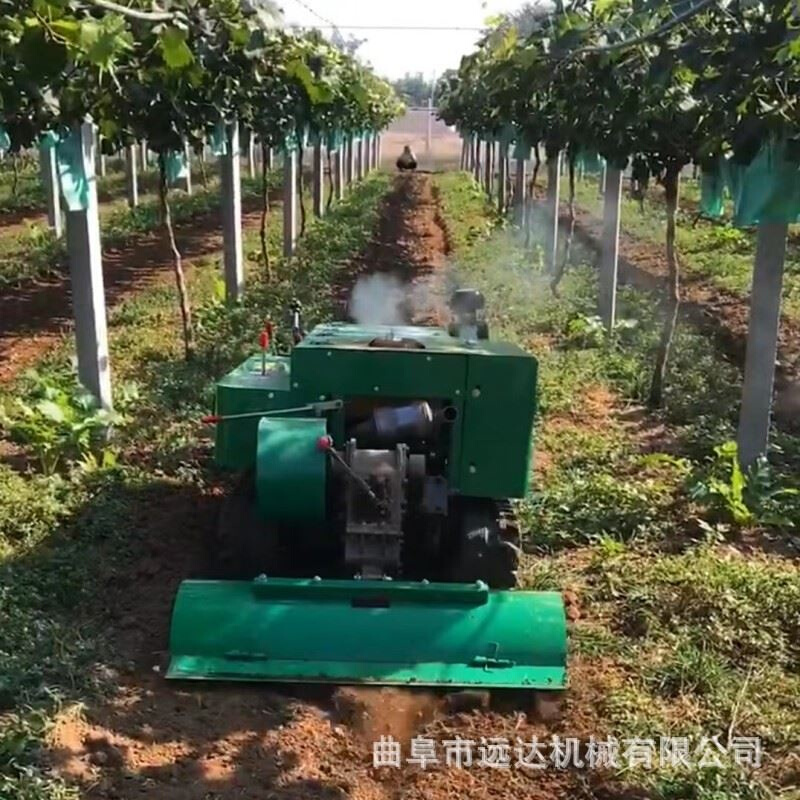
column 360, row 631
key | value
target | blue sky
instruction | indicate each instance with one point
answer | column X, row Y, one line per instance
column 392, row 53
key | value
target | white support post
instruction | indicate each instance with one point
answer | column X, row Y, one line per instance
column 338, row 172
column 762, row 341
column 188, row 180
column 520, row 182
column 359, row 159
column 289, row 201
column 86, row 279
column 350, row 161
column 429, row 135
column 233, row 258
column 251, row 155
column 487, row 168
column 553, row 191
column 365, row 155
column 131, row 176
column 270, row 159
column 48, row 167
column 502, row 178
column 318, row 180
column 609, row 252
column 380, row 151
column 144, row 155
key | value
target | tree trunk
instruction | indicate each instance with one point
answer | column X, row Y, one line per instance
column 300, row 191
column 180, row 279
column 673, row 297
column 330, row 182
column 265, row 212
column 562, row 267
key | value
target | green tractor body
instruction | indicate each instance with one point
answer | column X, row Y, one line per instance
column 375, row 533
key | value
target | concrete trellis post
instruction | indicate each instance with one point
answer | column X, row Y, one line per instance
column 86, row 277
column 251, row 155
column 429, row 134
column 609, row 253
column 48, row 167
column 520, row 181
column 487, row 168
column 289, row 201
column 144, row 155
column 762, row 341
column 338, row 172
column 502, row 178
column 358, row 145
column 365, row 155
column 553, row 191
column 318, row 179
column 231, row 189
column 187, row 152
column 270, row 159
column 380, row 151
column 131, row 176
column 350, row 161
column 374, row 142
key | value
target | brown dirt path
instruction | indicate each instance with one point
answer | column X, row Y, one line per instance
column 410, row 250
column 34, row 317
column 201, row 741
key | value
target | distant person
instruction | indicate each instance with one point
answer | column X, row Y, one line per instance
column 407, row 161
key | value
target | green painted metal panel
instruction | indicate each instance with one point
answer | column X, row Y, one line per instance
column 452, row 635
column 291, row 471
column 243, row 390
column 498, row 421
column 363, row 371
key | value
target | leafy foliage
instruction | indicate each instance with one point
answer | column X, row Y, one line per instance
column 63, row 424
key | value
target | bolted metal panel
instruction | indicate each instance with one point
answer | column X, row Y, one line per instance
column 283, row 629
column 498, row 421
column 252, row 386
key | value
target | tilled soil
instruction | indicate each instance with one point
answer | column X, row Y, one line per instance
column 199, row 741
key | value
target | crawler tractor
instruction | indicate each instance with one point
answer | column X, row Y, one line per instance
column 373, row 536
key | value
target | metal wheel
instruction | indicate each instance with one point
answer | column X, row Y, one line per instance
column 489, row 545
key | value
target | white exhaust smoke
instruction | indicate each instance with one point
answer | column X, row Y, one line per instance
column 378, row 299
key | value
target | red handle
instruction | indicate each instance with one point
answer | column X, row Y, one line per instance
column 212, row 419
column 324, row 443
